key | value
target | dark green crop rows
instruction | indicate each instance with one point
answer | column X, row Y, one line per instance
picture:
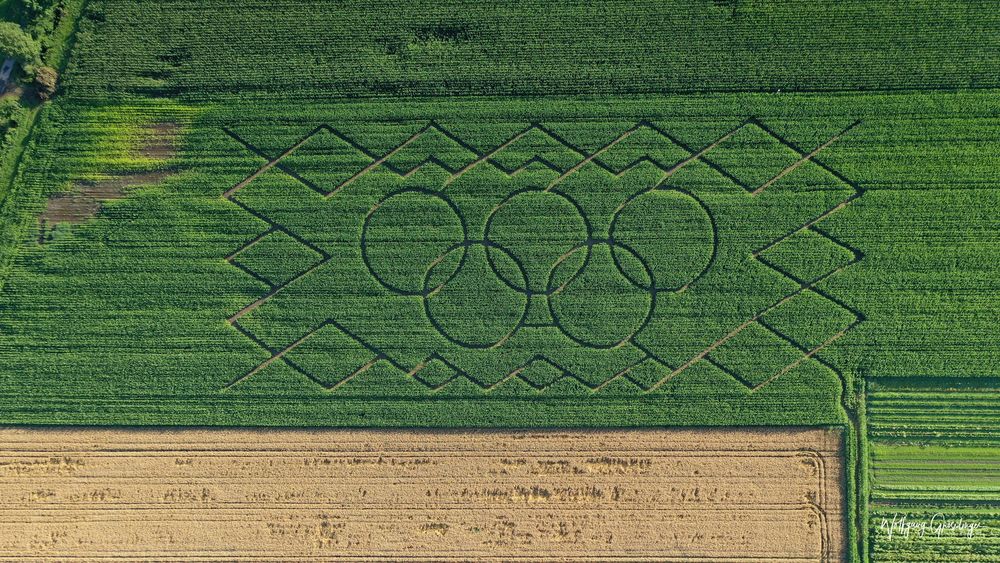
column 455, row 47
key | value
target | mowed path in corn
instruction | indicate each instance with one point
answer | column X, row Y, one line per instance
column 312, row 495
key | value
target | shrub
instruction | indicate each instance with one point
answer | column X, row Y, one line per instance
column 45, row 79
column 34, row 8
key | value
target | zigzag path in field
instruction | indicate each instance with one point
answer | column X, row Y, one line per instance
column 486, row 156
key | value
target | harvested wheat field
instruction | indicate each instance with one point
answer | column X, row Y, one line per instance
column 256, row 495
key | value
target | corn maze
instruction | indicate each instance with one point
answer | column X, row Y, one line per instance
column 549, row 264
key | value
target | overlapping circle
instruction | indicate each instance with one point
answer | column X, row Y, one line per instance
column 538, row 247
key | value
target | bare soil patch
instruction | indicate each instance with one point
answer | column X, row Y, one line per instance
column 320, row 495
column 83, row 202
column 162, row 141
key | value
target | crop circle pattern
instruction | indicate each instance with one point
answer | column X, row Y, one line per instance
column 538, row 244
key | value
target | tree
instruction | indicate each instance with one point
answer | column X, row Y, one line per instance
column 18, row 44
column 33, row 8
column 45, row 79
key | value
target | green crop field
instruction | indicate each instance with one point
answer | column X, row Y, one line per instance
column 512, row 214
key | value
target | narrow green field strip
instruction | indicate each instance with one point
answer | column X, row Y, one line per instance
column 943, row 482
column 975, row 406
column 954, row 426
column 950, row 476
column 934, row 457
column 984, row 513
column 977, row 399
column 954, row 429
column 936, row 472
column 923, row 543
column 893, row 453
column 903, row 431
column 951, row 437
column 942, row 411
column 929, row 468
column 938, row 499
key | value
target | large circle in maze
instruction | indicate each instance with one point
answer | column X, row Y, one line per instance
column 672, row 231
column 406, row 234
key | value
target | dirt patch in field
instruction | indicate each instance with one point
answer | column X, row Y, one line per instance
column 272, row 495
column 83, row 201
column 162, row 141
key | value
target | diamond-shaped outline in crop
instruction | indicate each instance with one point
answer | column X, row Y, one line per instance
column 810, row 319
column 540, row 372
column 322, row 146
column 822, row 254
column 731, row 156
column 272, row 249
column 314, row 356
column 755, row 356
column 435, row 373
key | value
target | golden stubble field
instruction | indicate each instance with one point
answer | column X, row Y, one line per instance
column 278, row 495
